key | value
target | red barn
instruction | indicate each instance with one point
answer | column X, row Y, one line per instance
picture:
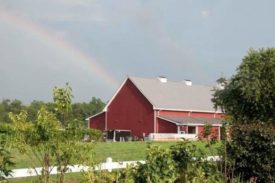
column 160, row 109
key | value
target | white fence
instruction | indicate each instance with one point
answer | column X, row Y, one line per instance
column 171, row 136
column 108, row 165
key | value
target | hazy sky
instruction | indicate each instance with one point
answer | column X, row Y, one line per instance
column 94, row 45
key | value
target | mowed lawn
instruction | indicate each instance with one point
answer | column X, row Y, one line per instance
column 119, row 151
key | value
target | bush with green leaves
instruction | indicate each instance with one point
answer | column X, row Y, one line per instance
column 5, row 158
column 100, row 176
column 191, row 164
column 252, row 152
column 159, row 167
column 181, row 163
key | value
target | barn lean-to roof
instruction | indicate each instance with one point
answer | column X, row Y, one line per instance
column 184, row 120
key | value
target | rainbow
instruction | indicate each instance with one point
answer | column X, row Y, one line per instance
column 46, row 37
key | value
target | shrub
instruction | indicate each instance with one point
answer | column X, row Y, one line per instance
column 159, row 167
column 100, row 176
column 252, row 152
column 175, row 165
column 192, row 166
column 5, row 157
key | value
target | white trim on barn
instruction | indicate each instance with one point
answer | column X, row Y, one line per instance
column 95, row 115
column 118, row 90
column 171, row 121
column 186, row 110
column 187, row 124
column 121, row 86
column 155, row 121
column 88, row 123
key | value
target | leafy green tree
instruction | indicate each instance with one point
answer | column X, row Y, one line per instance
column 62, row 98
column 7, row 106
column 250, row 94
column 83, row 110
column 51, row 141
column 34, row 107
column 79, row 111
column 96, row 105
column 249, row 99
column 252, row 152
column 5, row 156
column 35, row 139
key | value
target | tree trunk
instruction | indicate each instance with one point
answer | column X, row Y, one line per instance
column 46, row 167
column 62, row 175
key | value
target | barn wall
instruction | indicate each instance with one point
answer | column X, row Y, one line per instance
column 98, row 122
column 166, row 126
column 173, row 113
column 189, row 114
column 130, row 110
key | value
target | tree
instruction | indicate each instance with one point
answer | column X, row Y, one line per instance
column 250, row 94
column 79, row 111
column 249, row 99
column 35, row 139
column 82, row 110
column 5, row 156
column 34, row 107
column 252, row 152
column 7, row 106
column 62, row 98
column 51, row 141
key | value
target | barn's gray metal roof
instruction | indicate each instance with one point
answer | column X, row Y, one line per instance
column 175, row 95
column 192, row 120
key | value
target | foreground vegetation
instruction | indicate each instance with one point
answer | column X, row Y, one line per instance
column 70, row 178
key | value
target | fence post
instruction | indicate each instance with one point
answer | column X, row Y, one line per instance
column 109, row 163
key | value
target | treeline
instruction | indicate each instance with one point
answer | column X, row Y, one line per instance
column 79, row 111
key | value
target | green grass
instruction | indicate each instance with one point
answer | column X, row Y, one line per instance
column 119, row 151
column 22, row 160
column 123, row 151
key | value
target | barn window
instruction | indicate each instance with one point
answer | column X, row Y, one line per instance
column 191, row 129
